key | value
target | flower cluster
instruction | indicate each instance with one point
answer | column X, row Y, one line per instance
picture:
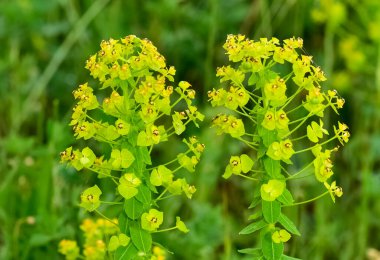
column 281, row 106
column 138, row 111
column 95, row 234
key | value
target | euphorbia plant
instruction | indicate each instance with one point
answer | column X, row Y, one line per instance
column 131, row 109
column 277, row 106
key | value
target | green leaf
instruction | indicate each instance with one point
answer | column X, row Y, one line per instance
column 141, row 238
column 288, row 224
column 161, row 175
column 286, row 198
column 133, row 208
column 144, row 195
column 271, row 250
column 268, row 136
column 253, row 79
column 253, row 227
column 180, row 225
column 129, row 252
column 255, row 252
column 273, row 168
column 255, row 215
column 255, row 202
column 113, row 244
column 124, row 239
column 127, row 158
column 127, row 191
column 88, row 157
column 143, row 151
column 271, row 210
column 143, row 140
column 246, row 163
column 124, row 222
column 228, row 172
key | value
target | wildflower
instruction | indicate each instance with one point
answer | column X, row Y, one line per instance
column 69, row 248
column 90, row 198
column 152, row 220
column 280, row 236
column 128, row 185
column 272, row 190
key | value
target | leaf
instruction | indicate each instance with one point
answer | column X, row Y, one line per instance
column 255, row 202
column 88, row 157
column 129, row 252
column 271, row 250
column 144, row 195
column 113, row 244
column 124, row 239
column 181, row 226
column 288, row 224
column 255, row 252
column 246, row 163
column 127, row 191
column 142, row 139
column 142, row 239
column 228, row 172
column 133, row 208
column 253, row 79
column 268, row 136
column 127, row 158
column 271, row 210
column 273, row 168
column 143, row 151
column 255, row 215
column 253, row 227
column 124, row 222
column 161, row 175
column 286, row 198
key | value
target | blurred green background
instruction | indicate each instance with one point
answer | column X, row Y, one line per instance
column 44, row 45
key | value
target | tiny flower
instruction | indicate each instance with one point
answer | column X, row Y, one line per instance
column 90, row 198
column 272, row 190
column 69, row 248
column 281, row 236
column 152, row 220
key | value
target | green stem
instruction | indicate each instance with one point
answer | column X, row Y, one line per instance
column 164, row 230
column 162, row 194
column 170, row 162
column 250, row 144
column 310, row 148
column 302, row 170
column 307, row 201
column 107, row 175
column 247, row 177
column 103, row 216
column 111, row 202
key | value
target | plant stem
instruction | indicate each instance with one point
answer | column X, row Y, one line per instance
column 307, row 201
column 103, row 216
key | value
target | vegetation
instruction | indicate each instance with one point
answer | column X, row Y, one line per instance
column 45, row 45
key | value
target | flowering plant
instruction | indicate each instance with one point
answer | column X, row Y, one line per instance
column 276, row 100
column 136, row 114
